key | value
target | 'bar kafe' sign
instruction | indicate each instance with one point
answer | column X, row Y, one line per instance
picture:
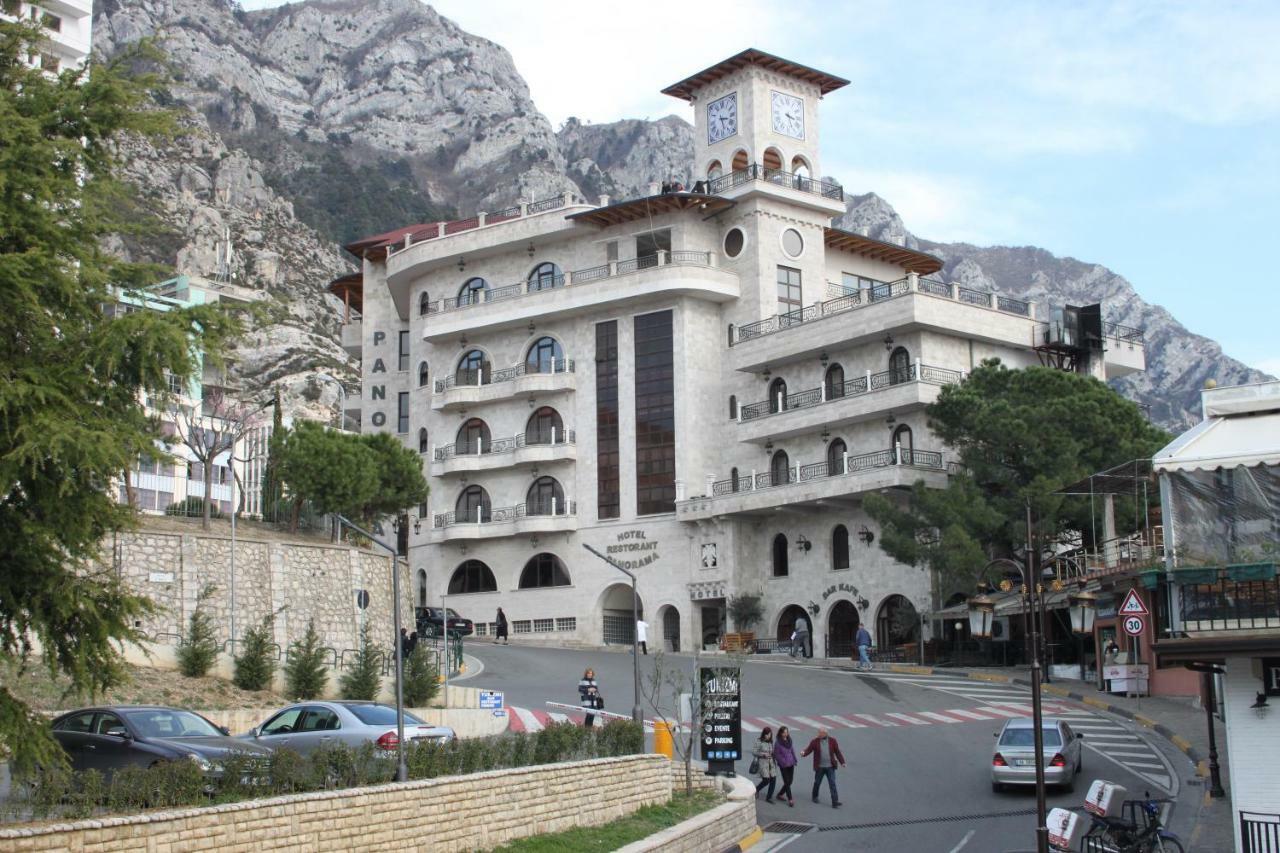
column 722, row 717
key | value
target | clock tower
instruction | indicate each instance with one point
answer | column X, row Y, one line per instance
column 756, row 109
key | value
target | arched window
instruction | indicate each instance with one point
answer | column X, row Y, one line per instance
column 543, row 355
column 422, row 587
column 840, row 547
column 423, row 374
column 545, row 497
column 473, row 368
column 833, row 382
column 472, row 506
column 772, row 160
column 836, row 451
column 424, row 304
column 741, row 160
column 780, row 568
column 544, row 427
column 714, row 170
column 778, row 395
column 800, row 167
column 545, row 276
column 472, row 291
column 779, row 469
column 899, row 366
column 543, row 570
column 423, row 444
column 733, row 407
column 733, row 479
column 902, row 441
column 472, row 576
column 473, row 437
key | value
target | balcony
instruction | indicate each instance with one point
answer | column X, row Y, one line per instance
column 775, row 182
column 353, row 337
column 855, row 400
column 466, row 388
column 519, row 450
column 861, row 316
column 1124, row 350
column 507, row 521
column 816, row 484
column 567, row 295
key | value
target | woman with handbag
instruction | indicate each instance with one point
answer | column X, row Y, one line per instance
column 764, row 765
column 784, row 755
column 589, row 692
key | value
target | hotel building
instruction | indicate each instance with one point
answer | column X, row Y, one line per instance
column 68, row 25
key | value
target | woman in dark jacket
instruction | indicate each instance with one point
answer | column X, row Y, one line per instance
column 589, row 692
column 784, row 755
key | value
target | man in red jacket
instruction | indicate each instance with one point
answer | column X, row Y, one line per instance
column 826, row 754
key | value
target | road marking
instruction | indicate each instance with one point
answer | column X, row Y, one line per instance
column 970, row 714
column 874, row 721
column 995, row 709
column 748, row 727
column 907, row 717
column 559, row 718
column 942, row 718
column 1145, row 764
column 963, row 842
column 528, row 722
column 844, row 721
column 808, row 723
column 771, row 722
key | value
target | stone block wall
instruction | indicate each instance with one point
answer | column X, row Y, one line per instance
column 473, row 812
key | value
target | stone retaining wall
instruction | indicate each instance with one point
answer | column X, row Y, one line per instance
column 719, row 828
column 483, row 810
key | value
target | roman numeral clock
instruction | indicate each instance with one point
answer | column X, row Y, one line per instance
column 788, row 115
column 722, row 118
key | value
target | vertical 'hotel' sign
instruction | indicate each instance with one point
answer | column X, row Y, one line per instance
column 378, row 392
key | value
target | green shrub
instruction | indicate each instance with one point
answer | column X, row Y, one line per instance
column 620, row 737
column 192, row 507
column 287, row 772
column 363, row 680
column 256, row 663
column 421, row 678
column 304, row 671
column 199, row 648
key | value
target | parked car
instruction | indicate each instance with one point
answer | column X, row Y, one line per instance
column 1014, row 760
column 306, row 726
column 109, row 738
column 430, row 619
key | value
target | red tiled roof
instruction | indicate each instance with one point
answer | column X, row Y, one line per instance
column 685, row 89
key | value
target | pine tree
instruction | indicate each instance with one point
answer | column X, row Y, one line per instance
column 421, row 678
column 256, row 665
column 304, row 672
column 272, row 491
column 364, row 679
column 200, row 646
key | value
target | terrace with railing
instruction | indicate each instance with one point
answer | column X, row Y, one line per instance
column 437, row 230
column 1244, row 597
column 844, row 466
column 550, row 438
column 842, row 300
column 849, row 388
column 1122, row 333
column 484, row 515
column 757, row 172
column 613, row 269
column 477, row 378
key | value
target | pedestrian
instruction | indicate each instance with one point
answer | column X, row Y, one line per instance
column 763, row 753
column 826, row 754
column 404, row 643
column 863, row 642
column 642, row 635
column 411, row 644
column 502, row 629
column 802, row 639
column 784, row 755
column 589, row 692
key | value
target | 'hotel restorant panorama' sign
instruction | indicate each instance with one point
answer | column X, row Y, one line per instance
column 633, row 550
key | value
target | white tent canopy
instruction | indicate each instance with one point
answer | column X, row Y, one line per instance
column 1224, row 442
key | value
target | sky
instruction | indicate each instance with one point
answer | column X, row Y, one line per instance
column 1141, row 136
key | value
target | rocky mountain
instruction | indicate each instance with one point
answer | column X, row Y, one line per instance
column 323, row 120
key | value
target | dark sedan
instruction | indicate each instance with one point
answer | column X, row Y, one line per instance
column 431, row 618
column 109, row 738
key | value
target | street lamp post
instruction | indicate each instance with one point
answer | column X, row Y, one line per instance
column 636, row 714
column 1084, row 607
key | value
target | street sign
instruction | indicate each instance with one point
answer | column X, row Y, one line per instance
column 491, row 700
column 722, row 718
column 1134, row 625
column 1133, row 605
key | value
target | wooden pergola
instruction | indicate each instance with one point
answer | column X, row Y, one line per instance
column 686, row 88
column 654, row 205
column 350, row 289
column 878, row 250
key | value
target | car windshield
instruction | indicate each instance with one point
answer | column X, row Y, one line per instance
column 1024, row 736
column 380, row 715
column 453, row 614
column 164, row 722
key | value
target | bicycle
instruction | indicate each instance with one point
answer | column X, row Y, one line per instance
column 1124, row 835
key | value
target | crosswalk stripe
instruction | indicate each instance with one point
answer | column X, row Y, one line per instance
column 874, row 720
column 1132, row 753
column 843, row 721
column 528, row 720
column 1144, row 764
column 805, row 722
column 771, row 722
column 969, row 714
column 557, row 717
column 1100, row 736
column 941, row 718
column 748, row 727
column 906, row 717
column 996, row 709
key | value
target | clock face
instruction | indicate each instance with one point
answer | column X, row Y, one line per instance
column 722, row 118
column 788, row 115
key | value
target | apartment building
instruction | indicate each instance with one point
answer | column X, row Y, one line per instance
column 68, row 24
column 702, row 384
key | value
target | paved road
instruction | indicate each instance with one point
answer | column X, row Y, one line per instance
column 918, row 746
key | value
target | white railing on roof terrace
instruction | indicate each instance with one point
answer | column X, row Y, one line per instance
column 480, row 220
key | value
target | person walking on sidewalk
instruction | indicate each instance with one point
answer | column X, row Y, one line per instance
column 863, row 642
column 642, row 635
column 801, row 641
column 763, row 753
column 826, row 754
column 501, row 633
column 784, row 755
column 589, row 693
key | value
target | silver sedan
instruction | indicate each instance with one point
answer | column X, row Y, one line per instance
column 1014, row 760
column 306, row 726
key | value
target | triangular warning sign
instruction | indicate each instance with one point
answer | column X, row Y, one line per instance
column 1133, row 605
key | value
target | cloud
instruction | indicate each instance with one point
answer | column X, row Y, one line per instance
column 1269, row 366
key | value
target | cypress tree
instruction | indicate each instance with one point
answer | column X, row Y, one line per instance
column 199, row 649
column 364, row 679
column 421, row 678
column 256, row 665
column 304, row 672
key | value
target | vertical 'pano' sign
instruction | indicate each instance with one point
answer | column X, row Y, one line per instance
column 722, row 717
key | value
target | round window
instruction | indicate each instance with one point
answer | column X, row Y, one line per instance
column 792, row 243
column 734, row 241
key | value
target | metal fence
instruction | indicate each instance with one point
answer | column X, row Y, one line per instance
column 1259, row 833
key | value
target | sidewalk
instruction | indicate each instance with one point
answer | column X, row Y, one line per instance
column 1180, row 720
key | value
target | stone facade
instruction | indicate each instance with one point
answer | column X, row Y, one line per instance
column 296, row 581
column 484, row 810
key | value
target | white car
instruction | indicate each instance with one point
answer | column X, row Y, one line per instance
column 305, row 726
column 1014, row 760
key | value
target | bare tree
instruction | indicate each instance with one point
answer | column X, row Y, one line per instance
column 213, row 431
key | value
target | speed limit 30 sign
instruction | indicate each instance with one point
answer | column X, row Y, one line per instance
column 1133, row 625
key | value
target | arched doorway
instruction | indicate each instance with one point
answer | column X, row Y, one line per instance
column 899, row 366
column 842, row 625
column 903, row 445
column 617, row 618
column 777, row 396
column 897, row 622
column 792, row 615
column 670, row 619
column 779, row 469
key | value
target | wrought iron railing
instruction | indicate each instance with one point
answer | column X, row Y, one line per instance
column 1122, row 333
column 937, row 288
column 546, row 204
column 757, row 172
column 457, row 226
column 850, row 388
column 505, row 445
column 974, row 297
column 1013, row 306
column 1227, row 605
column 507, row 514
column 844, row 465
column 1259, row 832
column 476, row 378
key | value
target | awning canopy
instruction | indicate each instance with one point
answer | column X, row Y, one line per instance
column 1224, row 442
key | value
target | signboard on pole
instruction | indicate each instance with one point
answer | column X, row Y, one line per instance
column 722, row 717
column 1133, row 606
column 1134, row 625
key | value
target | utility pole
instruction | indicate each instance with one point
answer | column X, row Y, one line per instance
column 636, row 713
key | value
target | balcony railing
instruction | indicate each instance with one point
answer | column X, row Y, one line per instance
column 506, row 445
column 1225, row 604
column 757, row 172
column 682, row 257
column 848, row 300
column 477, row 378
column 850, row 388
column 457, row 226
column 508, row 514
column 843, row 466
column 1122, row 333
